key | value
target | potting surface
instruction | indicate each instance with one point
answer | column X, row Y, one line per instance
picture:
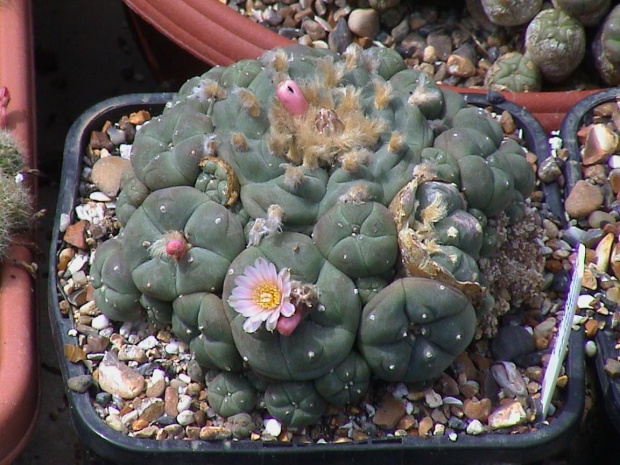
column 108, row 65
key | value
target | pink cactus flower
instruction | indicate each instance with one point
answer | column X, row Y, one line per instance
column 261, row 294
column 291, row 96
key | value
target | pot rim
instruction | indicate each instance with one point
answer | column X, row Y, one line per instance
column 19, row 382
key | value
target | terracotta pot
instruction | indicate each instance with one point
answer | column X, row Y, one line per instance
column 217, row 35
column 18, row 349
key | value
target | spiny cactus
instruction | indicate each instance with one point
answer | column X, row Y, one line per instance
column 308, row 221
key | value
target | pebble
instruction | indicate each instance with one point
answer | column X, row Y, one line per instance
column 100, row 322
column 340, row 38
column 80, row 383
column 511, row 342
column 389, row 412
column 507, row 415
column 148, row 343
column 215, row 433
column 364, row 22
column 612, row 368
column 591, row 349
column 475, row 428
column 107, row 172
column 75, row 234
column 186, row 417
column 425, row 427
column 118, row 379
column 273, row 427
column 475, row 409
column 583, row 199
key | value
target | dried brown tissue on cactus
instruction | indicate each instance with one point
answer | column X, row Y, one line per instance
column 317, row 227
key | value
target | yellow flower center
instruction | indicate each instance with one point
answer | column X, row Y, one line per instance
column 267, row 296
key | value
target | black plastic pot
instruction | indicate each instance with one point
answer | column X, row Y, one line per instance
column 108, row 445
column 581, row 115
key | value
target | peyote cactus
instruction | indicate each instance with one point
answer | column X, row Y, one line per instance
column 16, row 205
column 307, row 221
column 606, row 48
column 556, row 43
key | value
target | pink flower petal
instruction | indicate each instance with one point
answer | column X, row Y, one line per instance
column 287, row 309
column 251, row 326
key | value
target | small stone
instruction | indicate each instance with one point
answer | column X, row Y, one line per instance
column 389, row 412
column 460, row 66
column 156, row 389
column 100, row 322
column 364, row 22
column 510, row 414
column 598, row 219
column 80, row 383
column 591, row 328
column 511, row 342
column 477, row 409
column 545, row 328
column 195, row 372
column 591, row 348
column 340, row 38
column 406, row 423
column 114, row 421
column 601, row 142
column 475, row 428
column 603, row 252
column 425, row 426
column 147, row 432
column 107, row 173
column 171, row 399
column 583, row 199
column 149, row 342
column 75, row 234
column 100, row 140
column 549, row 170
column 74, row 353
column 118, row 379
column 215, row 433
column 130, row 352
column 273, row 427
column 185, row 402
column 185, row 418
column 139, row 117
column 432, row 399
column 442, row 44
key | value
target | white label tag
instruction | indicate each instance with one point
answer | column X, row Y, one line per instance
column 561, row 341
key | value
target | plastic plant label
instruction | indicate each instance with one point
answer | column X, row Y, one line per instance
column 561, row 342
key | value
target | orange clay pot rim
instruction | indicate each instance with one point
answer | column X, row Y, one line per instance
column 19, row 386
column 219, row 35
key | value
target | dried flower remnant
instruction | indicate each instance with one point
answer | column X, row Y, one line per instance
column 261, row 294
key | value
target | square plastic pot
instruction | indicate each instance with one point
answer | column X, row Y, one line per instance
column 547, row 439
column 19, row 381
column 606, row 339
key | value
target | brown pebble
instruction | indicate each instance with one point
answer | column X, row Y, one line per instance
column 509, row 414
column 64, row 257
column 507, row 122
column 74, row 353
column 460, row 66
column 407, row 422
column 601, row 142
column 75, row 234
column 139, row 424
column 100, row 140
column 139, row 117
column 612, row 368
column 389, row 412
column 171, row 399
column 426, row 424
column 583, row 200
column 215, row 433
column 107, row 173
column 156, row 389
column 475, row 409
column 591, row 328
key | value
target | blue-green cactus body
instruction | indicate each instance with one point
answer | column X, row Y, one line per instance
column 414, row 328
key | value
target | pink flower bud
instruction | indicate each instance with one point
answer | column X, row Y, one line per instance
column 289, row 93
column 176, row 248
column 287, row 325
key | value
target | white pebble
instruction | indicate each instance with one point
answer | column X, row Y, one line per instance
column 100, row 322
column 172, row 348
column 77, row 263
column 614, row 161
column 185, row 378
column 185, row 402
column 65, row 221
column 148, row 343
column 475, row 428
column 585, row 301
column 157, row 375
column 185, row 418
column 400, row 390
column 99, row 197
column 125, row 329
column 125, row 151
column 591, row 348
column 273, row 427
